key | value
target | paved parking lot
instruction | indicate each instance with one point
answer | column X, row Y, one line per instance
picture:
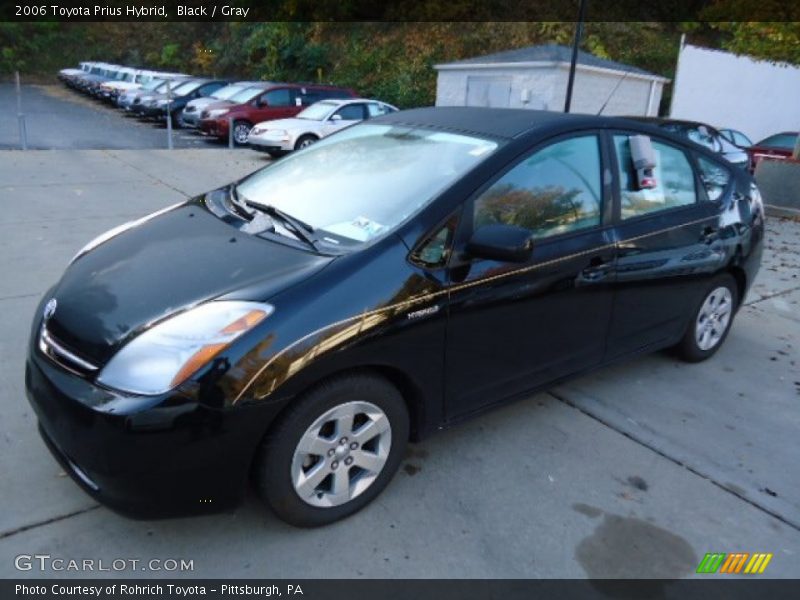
column 57, row 117
column 636, row 470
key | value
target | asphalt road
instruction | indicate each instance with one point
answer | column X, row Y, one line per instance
column 58, row 118
column 637, row 470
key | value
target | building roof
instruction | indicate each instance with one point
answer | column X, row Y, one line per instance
column 546, row 53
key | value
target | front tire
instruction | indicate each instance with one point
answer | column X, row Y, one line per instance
column 241, row 129
column 712, row 320
column 334, row 451
column 305, row 141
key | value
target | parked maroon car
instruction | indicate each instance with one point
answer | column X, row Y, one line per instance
column 278, row 101
column 779, row 146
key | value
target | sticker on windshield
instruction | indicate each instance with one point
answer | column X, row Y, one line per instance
column 360, row 229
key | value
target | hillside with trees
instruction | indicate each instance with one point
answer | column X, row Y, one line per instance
column 389, row 60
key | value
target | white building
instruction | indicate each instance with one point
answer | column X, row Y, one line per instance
column 536, row 78
column 756, row 97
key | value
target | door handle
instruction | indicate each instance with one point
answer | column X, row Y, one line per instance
column 709, row 235
column 598, row 268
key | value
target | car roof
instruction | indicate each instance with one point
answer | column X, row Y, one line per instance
column 495, row 122
column 776, row 135
column 668, row 121
column 343, row 101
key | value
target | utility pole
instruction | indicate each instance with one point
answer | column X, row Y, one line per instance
column 23, row 132
column 169, row 114
column 575, row 44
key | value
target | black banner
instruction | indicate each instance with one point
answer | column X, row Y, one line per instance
column 396, row 10
column 381, row 589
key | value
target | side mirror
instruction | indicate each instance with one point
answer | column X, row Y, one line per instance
column 336, row 117
column 507, row 243
column 644, row 161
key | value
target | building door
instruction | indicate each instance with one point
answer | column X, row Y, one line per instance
column 493, row 92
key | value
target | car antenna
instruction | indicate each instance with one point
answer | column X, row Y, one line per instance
column 616, row 87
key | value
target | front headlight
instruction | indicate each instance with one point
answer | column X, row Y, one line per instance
column 170, row 352
column 213, row 114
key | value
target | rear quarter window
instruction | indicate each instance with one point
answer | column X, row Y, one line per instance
column 715, row 178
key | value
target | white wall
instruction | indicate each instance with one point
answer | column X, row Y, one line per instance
column 545, row 88
column 725, row 90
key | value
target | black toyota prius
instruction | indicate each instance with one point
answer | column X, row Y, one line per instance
column 300, row 326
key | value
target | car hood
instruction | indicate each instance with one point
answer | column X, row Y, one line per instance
column 200, row 103
column 173, row 261
column 220, row 104
column 123, row 85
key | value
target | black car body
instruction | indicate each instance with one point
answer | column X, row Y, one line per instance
column 456, row 308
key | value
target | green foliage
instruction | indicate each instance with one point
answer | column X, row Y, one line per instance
column 392, row 61
column 775, row 42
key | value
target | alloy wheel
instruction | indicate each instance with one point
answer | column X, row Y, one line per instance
column 240, row 132
column 713, row 319
column 341, row 454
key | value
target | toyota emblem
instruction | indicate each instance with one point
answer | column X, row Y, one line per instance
column 49, row 308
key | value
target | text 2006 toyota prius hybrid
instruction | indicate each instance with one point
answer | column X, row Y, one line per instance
column 300, row 326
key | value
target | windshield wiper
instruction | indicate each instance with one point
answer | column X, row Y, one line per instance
column 303, row 231
column 241, row 207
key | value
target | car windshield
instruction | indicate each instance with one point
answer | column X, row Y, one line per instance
column 780, row 140
column 318, row 111
column 365, row 181
column 185, row 88
column 245, row 95
column 227, row 92
column 153, row 84
column 162, row 87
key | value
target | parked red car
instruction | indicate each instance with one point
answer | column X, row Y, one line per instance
column 278, row 101
column 779, row 146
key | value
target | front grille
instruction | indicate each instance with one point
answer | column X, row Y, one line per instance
column 66, row 359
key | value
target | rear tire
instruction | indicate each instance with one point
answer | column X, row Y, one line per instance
column 711, row 321
column 334, row 451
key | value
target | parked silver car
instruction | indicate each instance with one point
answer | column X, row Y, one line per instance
column 314, row 123
column 127, row 99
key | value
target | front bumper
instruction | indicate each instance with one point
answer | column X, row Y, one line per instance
column 215, row 127
column 270, row 144
column 153, row 112
column 169, row 456
column 190, row 119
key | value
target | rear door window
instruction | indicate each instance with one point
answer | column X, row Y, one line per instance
column 673, row 174
column 376, row 110
column 351, row 112
column 281, row 97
